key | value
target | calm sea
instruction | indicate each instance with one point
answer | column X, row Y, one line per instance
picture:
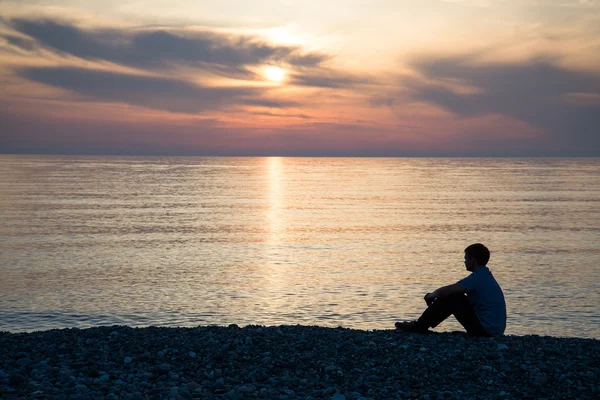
column 353, row 242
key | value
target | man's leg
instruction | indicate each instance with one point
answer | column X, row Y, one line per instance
column 457, row 304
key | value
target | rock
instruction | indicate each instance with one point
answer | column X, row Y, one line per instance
column 502, row 347
column 22, row 362
column 17, row 380
column 81, row 387
column 186, row 395
column 65, row 373
column 540, row 379
column 127, row 360
column 329, row 391
column 164, row 367
column 192, row 354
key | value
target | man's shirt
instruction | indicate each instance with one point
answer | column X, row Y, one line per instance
column 486, row 297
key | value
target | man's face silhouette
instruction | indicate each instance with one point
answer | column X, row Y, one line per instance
column 470, row 263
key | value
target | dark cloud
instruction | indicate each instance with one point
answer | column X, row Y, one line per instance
column 308, row 60
column 162, row 48
column 24, row 44
column 269, row 114
column 536, row 92
column 382, row 100
column 153, row 92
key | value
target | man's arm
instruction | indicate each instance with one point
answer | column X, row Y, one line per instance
column 446, row 291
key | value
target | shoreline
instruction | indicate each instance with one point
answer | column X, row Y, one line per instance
column 292, row 362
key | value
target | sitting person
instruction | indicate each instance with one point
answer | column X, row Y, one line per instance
column 477, row 301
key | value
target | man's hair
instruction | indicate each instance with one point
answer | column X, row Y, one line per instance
column 479, row 252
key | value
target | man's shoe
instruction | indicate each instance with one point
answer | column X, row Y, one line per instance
column 411, row 326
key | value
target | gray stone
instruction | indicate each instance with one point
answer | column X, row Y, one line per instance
column 22, row 362
column 164, row 367
column 81, row 388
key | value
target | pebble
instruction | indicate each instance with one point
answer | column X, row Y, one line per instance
column 23, row 362
column 164, row 367
column 127, row 360
column 80, row 388
column 329, row 391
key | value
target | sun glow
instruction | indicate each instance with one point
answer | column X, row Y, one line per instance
column 282, row 36
column 274, row 74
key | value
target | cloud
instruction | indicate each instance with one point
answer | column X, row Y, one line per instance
column 538, row 92
column 20, row 42
column 160, row 48
column 270, row 114
column 325, row 78
column 308, row 60
column 153, row 92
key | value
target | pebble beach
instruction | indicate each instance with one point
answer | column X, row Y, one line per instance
column 292, row 362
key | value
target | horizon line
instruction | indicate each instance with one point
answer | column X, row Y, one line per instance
column 271, row 155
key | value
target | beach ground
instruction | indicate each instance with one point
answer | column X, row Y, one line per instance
column 292, row 362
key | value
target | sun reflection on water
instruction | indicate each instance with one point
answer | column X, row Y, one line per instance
column 274, row 213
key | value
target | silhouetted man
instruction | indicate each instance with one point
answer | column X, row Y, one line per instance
column 477, row 301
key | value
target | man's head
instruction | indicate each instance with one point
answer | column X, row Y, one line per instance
column 475, row 256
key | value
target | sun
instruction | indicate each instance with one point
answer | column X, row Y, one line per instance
column 274, row 74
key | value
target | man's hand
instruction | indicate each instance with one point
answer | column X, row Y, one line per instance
column 429, row 298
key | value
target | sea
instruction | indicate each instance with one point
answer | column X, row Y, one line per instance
column 353, row 242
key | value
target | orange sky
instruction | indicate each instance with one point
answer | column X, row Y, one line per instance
column 356, row 78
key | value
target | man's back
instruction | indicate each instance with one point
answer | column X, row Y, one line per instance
column 486, row 297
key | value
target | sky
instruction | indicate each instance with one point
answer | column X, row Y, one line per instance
column 300, row 77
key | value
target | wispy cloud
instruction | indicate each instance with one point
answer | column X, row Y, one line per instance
column 153, row 92
column 326, row 78
column 160, row 48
